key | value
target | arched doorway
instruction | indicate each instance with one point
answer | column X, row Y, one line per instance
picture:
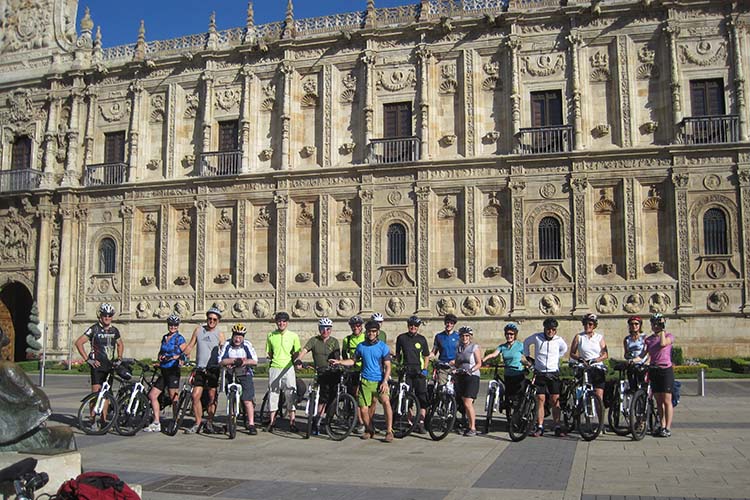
column 15, row 308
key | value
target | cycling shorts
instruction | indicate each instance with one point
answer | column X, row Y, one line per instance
column 418, row 384
column 327, row 385
column 98, row 375
column 208, row 377
column 662, row 379
column 513, row 385
column 597, row 378
column 467, row 386
column 368, row 390
column 169, row 378
column 548, row 383
column 352, row 383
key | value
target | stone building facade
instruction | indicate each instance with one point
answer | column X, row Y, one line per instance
column 495, row 159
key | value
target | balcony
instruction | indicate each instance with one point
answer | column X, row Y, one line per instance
column 19, row 180
column 399, row 150
column 545, row 140
column 220, row 163
column 717, row 129
column 106, row 174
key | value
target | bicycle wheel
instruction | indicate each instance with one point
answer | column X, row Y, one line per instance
column 405, row 415
column 590, row 419
column 232, row 417
column 618, row 422
column 100, row 422
column 311, row 413
column 341, row 416
column 128, row 423
column 567, row 408
column 490, row 409
column 638, row 415
column 264, row 414
column 521, row 418
column 654, row 422
column 441, row 417
column 183, row 404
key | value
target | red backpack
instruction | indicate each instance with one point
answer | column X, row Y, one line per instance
column 96, row 486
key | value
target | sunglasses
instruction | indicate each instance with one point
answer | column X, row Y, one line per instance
column 373, row 331
column 212, row 318
column 107, row 315
column 465, row 335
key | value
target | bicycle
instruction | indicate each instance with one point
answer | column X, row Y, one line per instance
column 644, row 416
column 618, row 415
column 495, row 401
column 135, row 407
column 587, row 406
column 234, row 403
column 99, row 410
column 26, row 480
column 340, row 414
column 523, row 410
column 441, row 414
column 405, row 405
column 184, row 402
column 263, row 415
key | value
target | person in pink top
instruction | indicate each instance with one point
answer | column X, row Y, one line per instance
column 661, row 372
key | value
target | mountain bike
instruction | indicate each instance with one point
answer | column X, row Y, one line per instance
column 184, row 402
column 99, row 410
column 135, row 407
column 495, row 401
column 441, row 414
column 26, row 480
column 234, row 402
column 587, row 406
column 523, row 410
column 618, row 415
column 644, row 416
column 405, row 407
column 341, row 413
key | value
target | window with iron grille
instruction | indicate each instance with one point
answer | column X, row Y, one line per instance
column 396, row 244
column 114, row 147
column 715, row 232
column 397, row 120
column 707, row 97
column 107, row 256
column 21, row 153
column 549, row 239
column 546, row 108
column 229, row 136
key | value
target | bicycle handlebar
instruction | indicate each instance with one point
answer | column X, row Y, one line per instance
column 18, row 469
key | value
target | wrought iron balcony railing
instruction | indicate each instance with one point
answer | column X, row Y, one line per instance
column 545, row 140
column 219, row 163
column 715, row 129
column 19, row 180
column 399, row 150
column 106, row 174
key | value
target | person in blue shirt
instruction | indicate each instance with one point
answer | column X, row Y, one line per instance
column 444, row 348
column 171, row 355
column 512, row 354
column 376, row 371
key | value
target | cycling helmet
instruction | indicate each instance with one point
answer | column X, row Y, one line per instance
column 106, row 309
column 658, row 319
column 590, row 317
column 173, row 320
column 325, row 323
column 214, row 310
column 450, row 318
column 377, row 317
column 511, row 326
column 413, row 320
column 281, row 316
column 239, row 329
column 635, row 318
column 550, row 323
column 356, row 320
column 466, row 330
column 372, row 325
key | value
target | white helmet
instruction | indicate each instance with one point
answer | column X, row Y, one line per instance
column 325, row 323
column 106, row 309
column 377, row 317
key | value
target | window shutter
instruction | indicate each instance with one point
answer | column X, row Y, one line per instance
column 21, row 153
column 537, row 110
column 397, row 120
column 114, row 147
column 715, row 97
column 554, row 108
column 229, row 136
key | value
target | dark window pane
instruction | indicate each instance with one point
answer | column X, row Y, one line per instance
column 546, row 108
column 397, row 120
column 396, row 244
column 21, row 153
column 107, row 256
column 114, row 147
column 229, row 136
column 549, row 239
column 707, row 97
column 715, row 232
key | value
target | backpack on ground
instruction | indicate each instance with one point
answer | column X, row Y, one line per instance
column 96, row 486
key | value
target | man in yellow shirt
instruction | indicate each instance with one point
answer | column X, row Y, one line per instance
column 282, row 347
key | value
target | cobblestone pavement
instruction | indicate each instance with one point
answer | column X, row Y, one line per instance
column 708, row 456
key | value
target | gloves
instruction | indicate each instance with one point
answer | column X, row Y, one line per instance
column 91, row 362
column 238, row 362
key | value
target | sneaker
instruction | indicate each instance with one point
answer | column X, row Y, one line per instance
column 388, row 437
column 559, row 432
column 359, row 430
column 665, row 433
column 154, row 427
column 539, row 432
column 252, row 430
column 293, row 427
column 95, row 427
column 420, row 428
column 270, row 427
column 193, row 430
column 315, row 431
column 470, row 433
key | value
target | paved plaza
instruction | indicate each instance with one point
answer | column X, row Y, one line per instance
column 708, row 456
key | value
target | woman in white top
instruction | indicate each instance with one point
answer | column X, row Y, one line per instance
column 468, row 361
column 589, row 346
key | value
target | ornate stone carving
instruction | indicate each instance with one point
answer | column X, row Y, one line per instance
column 345, row 276
column 395, row 306
column 114, row 111
column 25, row 26
column 600, row 67
column 655, row 267
column 192, row 102
column 349, row 82
column 448, row 82
column 323, row 308
column 143, row 310
column 263, row 219
column 495, row 306
column 493, row 208
column 605, row 205
column 633, row 303
column 157, row 108
column 448, row 210
column 716, row 270
column 659, row 302
column 301, row 308
column 447, row 273
column 547, row 191
column 222, row 278
column 261, row 309
column 717, row 301
column 262, row 277
column 185, row 222
column 549, row 304
column 712, row 182
column 543, row 65
column 447, row 140
column 163, row 310
column 345, row 307
column 601, row 130
column 347, row 148
column 303, row 277
column 445, row 305
column 227, row 98
column 182, row 280
column 266, row 154
column 706, row 54
column 182, row 309
column 225, row 221
column 346, row 215
column 396, row 80
column 491, row 137
column 150, row 224
column 606, row 303
column 305, row 218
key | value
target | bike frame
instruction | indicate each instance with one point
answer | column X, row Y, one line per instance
column 311, row 405
column 233, row 385
column 106, row 385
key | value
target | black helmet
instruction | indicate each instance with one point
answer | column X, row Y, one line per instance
column 550, row 323
column 452, row 318
column 413, row 321
column 372, row 325
column 173, row 320
column 214, row 310
column 281, row 316
column 658, row 319
column 356, row 320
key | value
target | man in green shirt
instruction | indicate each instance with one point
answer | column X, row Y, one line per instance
column 282, row 347
column 323, row 347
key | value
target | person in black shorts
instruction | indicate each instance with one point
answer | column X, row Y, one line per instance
column 106, row 346
column 413, row 352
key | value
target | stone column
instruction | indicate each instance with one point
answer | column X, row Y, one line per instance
column 736, row 30
column 324, row 238
column 743, row 181
column 328, row 110
column 88, row 141
column 368, row 90
column 631, row 253
column 50, row 136
column 171, row 118
column 207, row 113
column 201, row 209
column 470, row 68
column 287, row 74
column 575, row 40
column 242, row 238
column 136, row 94
column 71, row 177
column 673, row 30
column 281, row 199
column 681, row 182
column 623, row 91
column 47, row 261
column 127, row 213
column 517, row 192
column 579, row 186
column 60, row 329
column 82, row 237
column 163, row 247
column 513, row 44
column 422, row 239
column 247, row 76
column 470, row 225
column 424, row 63
column 365, row 244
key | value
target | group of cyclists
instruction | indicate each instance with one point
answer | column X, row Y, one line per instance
column 366, row 357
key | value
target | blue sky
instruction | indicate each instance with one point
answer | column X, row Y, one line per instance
column 174, row 18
